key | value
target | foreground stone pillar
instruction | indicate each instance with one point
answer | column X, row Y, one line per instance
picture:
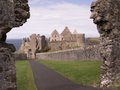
column 13, row 13
column 7, row 67
column 106, row 14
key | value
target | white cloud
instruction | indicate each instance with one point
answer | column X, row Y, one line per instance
column 45, row 19
column 32, row 2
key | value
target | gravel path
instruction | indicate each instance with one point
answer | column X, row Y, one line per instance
column 47, row 79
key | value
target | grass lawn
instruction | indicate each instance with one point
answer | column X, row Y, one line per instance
column 25, row 79
column 82, row 72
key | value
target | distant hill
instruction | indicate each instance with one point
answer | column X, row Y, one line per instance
column 16, row 42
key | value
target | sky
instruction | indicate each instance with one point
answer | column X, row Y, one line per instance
column 48, row 15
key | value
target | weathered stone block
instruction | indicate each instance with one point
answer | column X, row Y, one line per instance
column 7, row 68
column 106, row 14
column 13, row 13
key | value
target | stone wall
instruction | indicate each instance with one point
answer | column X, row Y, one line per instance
column 13, row 13
column 62, row 45
column 106, row 15
column 7, row 67
column 90, row 53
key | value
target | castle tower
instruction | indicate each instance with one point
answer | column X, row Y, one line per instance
column 55, row 36
column 75, row 32
column 66, row 31
column 66, row 34
column 80, row 39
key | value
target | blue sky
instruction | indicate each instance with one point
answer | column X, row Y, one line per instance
column 47, row 2
column 47, row 15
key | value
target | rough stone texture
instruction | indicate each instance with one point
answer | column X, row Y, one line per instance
column 13, row 13
column 90, row 53
column 7, row 67
column 21, row 10
column 106, row 14
column 66, row 40
column 34, row 44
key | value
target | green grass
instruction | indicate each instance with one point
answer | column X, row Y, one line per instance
column 116, row 86
column 25, row 79
column 82, row 72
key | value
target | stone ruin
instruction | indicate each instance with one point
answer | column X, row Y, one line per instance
column 66, row 40
column 106, row 15
column 13, row 13
column 34, row 44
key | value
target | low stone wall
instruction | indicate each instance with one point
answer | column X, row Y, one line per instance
column 90, row 53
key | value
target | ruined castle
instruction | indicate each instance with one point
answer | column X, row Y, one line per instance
column 66, row 40
column 34, row 44
column 37, row 44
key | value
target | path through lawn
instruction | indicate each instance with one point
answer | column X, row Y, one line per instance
column 82, row 72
